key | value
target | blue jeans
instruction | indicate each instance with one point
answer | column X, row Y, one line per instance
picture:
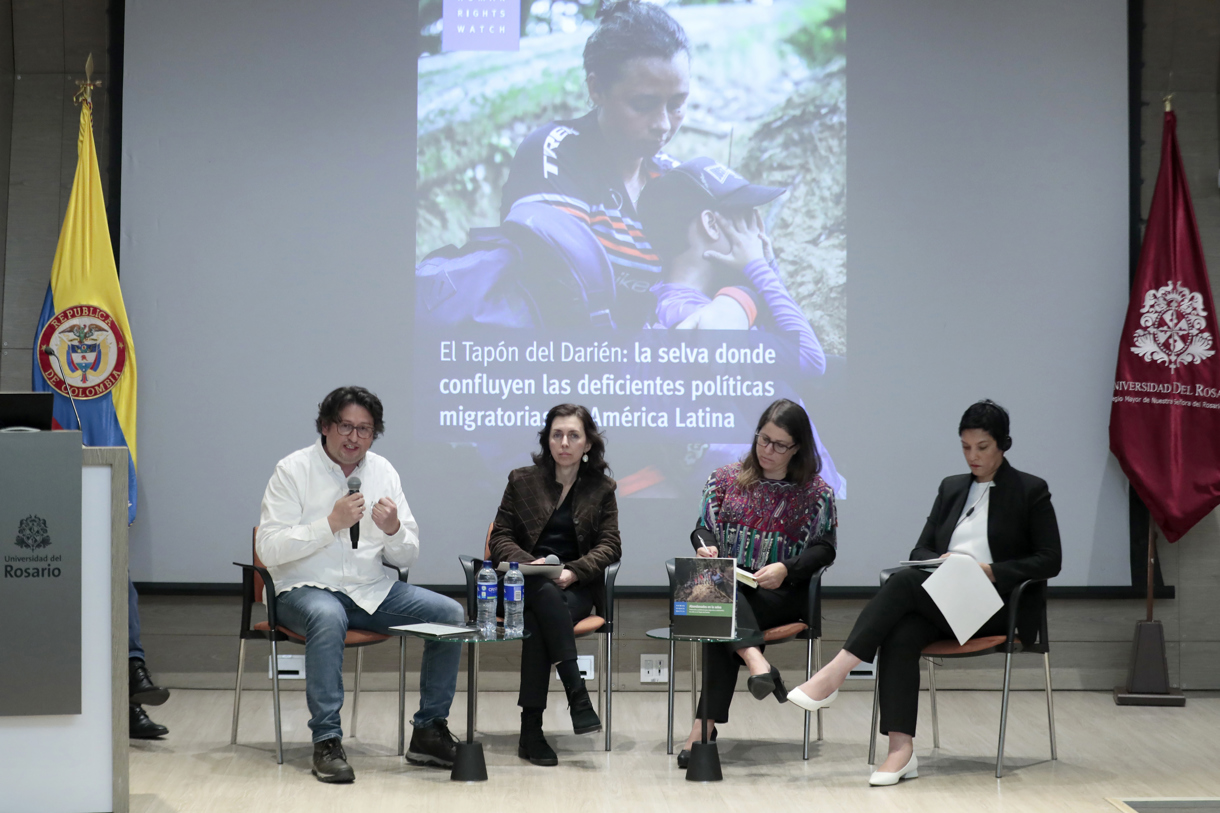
column 324, row 618
column 134, row 648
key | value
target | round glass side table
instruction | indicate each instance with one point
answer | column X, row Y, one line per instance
column 469, row 764
column 704, row 765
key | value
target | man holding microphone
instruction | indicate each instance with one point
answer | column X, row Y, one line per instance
column 331, row 514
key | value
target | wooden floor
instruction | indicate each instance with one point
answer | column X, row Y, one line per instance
column 1104, row 752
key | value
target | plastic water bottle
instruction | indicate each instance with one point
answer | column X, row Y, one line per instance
column 486, row 597
column 514, row 601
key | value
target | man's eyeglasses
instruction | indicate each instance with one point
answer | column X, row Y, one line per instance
column 779, row 448
column 345, row 429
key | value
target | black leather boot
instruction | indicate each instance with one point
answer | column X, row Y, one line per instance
column 143, row 728
column 140, row 687
column 584, row 716
column 533, row 745
column 330, row 762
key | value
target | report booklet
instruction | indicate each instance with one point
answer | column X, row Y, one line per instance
column 705, row 596
column 745, row 577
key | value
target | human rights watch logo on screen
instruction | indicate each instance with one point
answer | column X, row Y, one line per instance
column 481, row 25
column 32, row 535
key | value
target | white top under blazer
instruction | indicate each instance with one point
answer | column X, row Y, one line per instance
column 970, row 533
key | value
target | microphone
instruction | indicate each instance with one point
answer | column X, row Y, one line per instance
column 353, row 487
column 46, row 348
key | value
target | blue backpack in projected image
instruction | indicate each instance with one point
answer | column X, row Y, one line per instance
column 540, row 268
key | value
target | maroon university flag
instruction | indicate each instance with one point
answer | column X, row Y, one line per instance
column 1165, row 417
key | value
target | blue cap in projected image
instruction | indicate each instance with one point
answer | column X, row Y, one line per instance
column 722, row 188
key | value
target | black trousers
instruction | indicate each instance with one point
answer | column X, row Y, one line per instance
column 550, row 614
column 757, row 610
column 900, row 621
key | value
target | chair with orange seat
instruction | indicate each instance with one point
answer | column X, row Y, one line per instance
column 257, row 587
column 1033, row 591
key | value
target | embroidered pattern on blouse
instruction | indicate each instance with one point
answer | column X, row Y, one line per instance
column 770, row 522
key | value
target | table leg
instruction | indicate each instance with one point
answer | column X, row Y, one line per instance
column 468, row 764
column 704, row 763
column 669, row 728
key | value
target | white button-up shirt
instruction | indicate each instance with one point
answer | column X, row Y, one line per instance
column 294, row 537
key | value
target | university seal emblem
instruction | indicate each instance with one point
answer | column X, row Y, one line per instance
column 89, row 351
column 1172, row 327
column 32, row 533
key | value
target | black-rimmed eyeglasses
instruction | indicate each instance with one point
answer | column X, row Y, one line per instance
column 776, row 446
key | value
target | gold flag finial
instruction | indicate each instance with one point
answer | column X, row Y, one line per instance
column 1168, row 102
column 85, row 91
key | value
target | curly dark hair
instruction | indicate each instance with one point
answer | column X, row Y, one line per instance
column 991, row 418
column 337, row 400
column 597, row 449
column 805, row 464
column 631, row 29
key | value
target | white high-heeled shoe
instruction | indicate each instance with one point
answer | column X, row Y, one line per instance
column 882, row 778
column 806, row 702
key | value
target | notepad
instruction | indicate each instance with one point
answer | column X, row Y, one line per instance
column 921, row 563
column 550, row 571
column 436, row 630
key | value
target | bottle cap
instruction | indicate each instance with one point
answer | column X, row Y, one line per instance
column 512, row 566
column 486, row 563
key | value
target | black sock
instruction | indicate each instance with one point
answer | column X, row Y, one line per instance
column 569, row 674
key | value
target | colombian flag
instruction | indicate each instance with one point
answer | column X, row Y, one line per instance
column 83, row 344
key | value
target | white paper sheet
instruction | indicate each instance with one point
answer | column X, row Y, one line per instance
column 964, row 594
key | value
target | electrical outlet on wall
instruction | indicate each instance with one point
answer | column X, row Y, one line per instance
column 587, row 665
column 863, row 671
column 654, row 669
column 292, row 667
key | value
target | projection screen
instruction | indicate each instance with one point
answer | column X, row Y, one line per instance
column 410, row 196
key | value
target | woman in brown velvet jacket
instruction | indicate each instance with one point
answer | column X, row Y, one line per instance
column 562, row 508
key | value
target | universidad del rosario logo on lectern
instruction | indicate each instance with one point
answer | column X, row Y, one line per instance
column 90, row 350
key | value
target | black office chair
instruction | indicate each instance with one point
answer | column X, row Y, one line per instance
column 808, row 630
column 984, row 645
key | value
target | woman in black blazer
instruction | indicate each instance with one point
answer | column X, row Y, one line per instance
column 1000, row 516
column 562, row 506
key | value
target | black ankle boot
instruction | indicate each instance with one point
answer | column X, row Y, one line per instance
column 533, row 745
column 584, row 716
column 141, row 689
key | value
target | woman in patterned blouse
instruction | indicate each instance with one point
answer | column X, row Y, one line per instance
column 775, row 516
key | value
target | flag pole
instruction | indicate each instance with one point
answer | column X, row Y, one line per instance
column 1151, row 566
column 1148, row 676
column 85, row 88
